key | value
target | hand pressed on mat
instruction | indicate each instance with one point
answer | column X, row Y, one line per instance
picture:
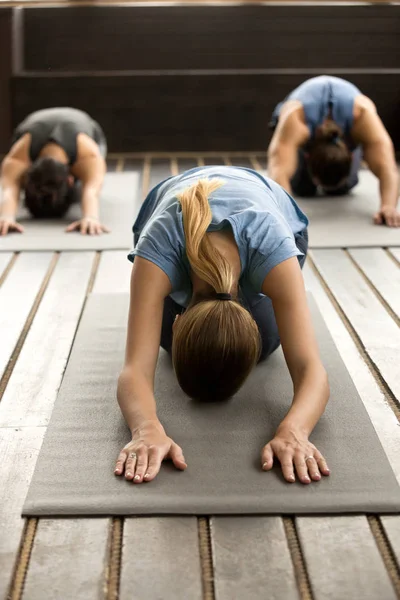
column 387, row 215
column 142, row 457
column 9, row 225
column 88, row 226
column 296, row 454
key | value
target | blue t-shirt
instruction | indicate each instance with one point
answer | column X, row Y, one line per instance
column 263, row 217
column 322, row 96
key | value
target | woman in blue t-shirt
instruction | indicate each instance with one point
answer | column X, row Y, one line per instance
column 321, row 132
column 217, row 277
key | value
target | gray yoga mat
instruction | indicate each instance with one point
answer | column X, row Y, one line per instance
column 221, row 442
column 119, row 203
column 346, row 221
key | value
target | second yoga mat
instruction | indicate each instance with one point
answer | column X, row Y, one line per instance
column 120, row 201
column 221, row 442
column 347, row 221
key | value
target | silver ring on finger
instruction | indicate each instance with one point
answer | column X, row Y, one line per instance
column 309, row 458
column 133, row 455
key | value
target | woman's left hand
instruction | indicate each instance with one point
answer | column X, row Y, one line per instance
column 387, row 215
column 296, row 455
column 88, row 226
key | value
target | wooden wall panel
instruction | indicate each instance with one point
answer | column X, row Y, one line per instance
column 5, row 75
column 187, row 111
column 209, row 36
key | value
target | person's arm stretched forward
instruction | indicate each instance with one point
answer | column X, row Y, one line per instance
column 291, row 446
column 379, row 154
column 12, row 170
column 90, row 169
column 141, row 458
column 290, row 135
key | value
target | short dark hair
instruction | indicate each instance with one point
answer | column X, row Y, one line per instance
column 329, row 156
column 47, row 189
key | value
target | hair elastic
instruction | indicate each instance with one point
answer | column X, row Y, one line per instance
column 224, row 296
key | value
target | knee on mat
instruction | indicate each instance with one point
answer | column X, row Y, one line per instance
column 268, row 349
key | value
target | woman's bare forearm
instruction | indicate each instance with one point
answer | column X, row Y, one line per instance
column 389, row 187
column 281, row 178
column 136, row 399
column 9, row 206
column 311, row 395
column 280, row 173
column 90, row 202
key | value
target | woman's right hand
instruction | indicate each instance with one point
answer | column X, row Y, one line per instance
column 141, row 458
column 8, row 224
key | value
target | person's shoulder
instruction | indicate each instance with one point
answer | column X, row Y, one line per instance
column 86, row 147
column 17, row 159
column 362, row 104
column 292, row 126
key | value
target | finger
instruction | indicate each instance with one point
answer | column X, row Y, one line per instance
column 286, row 460
column 73, row 226
column 390, row 220
column 141, row 465
column 130, row 465
column 176, row 455
column 108, row 230
column 313, row 469
column 155, row 460
column 19, row 228
column 301, row 468
column 378, row 219
column 4, row 229
column 84, row 228
column 267, row 458
column 91, row 228
column 397, row 220
column 322, row 465
column 119, row 465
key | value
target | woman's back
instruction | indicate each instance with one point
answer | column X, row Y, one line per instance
column 264, row 220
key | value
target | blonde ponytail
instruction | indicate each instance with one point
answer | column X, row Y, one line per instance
column 206, row 261
column 215, row 344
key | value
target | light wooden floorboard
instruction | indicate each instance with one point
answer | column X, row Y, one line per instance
column 19, row 449
column 382, row 417
column 5, row 258
column 382, row 272
column 32, row 389
column 160, row 559
column 73, row 551
column 343, row 560
column 252, row 559
column 396, row 253
column 320, row 536
column 114, row 272
column 17, row 295
column 391, row 524
column 68, row 560
column 376, row 329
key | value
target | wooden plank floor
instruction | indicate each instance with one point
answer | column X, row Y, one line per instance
column 42, row 296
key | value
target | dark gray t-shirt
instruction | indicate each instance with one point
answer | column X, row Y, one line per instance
column 61, row 126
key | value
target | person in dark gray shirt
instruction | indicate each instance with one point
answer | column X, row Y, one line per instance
column 57, row 158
